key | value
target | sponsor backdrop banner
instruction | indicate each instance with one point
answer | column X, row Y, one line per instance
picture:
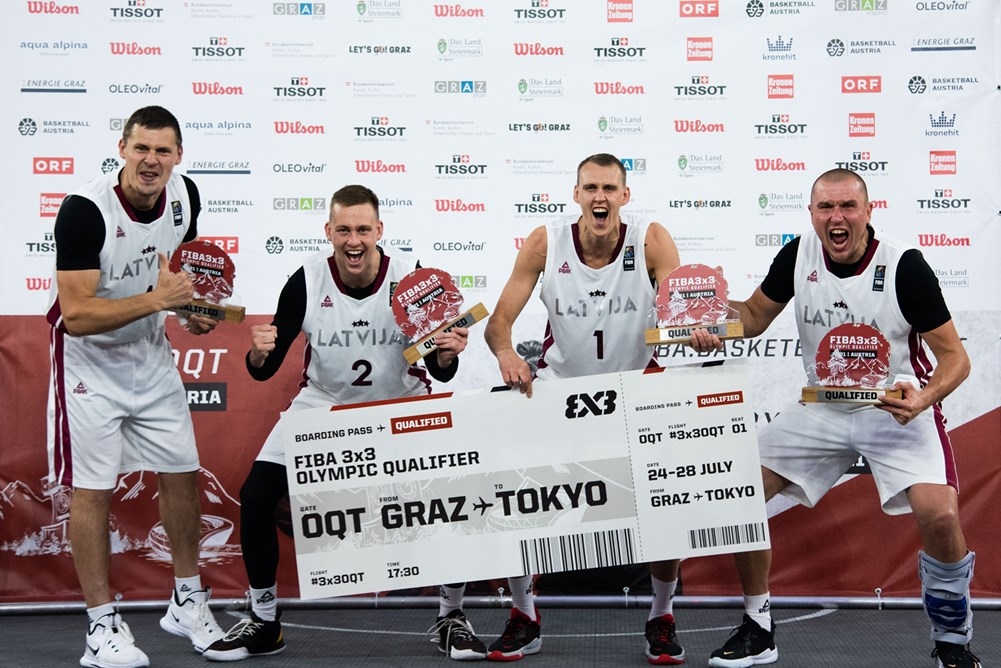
column 468, row 119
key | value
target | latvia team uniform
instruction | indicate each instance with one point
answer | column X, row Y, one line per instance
column 354, row 348
column 116, row 401
column 813, row 445
column 597, row 317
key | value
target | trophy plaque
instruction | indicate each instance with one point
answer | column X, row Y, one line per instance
column 853, row 364
column 693, row 296
column 211, row 271
column 427, row 303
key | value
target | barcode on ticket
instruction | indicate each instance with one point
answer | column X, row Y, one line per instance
column 733, row 534
column 578, row 551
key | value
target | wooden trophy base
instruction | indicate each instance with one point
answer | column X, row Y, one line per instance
column 728, row 329
column 427, row 344
column 221, row 312
column 847, row 395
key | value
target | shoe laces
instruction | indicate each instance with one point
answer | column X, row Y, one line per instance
column 665, row 630
column 515, row 627
column 244, row 628
column 456, row 626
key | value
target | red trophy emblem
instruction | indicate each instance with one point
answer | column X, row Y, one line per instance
column 853, row 364
column 426, row 303
column 693, row 296
column 211, row 271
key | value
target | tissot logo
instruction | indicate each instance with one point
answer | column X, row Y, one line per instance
column 699, row 49
column 780, row 125
column 136, row 9
column 700, row 86
column 214, row 88
column 35, row 7
column 941, row 162
column 52, row 165
column 134, row 49
column 697, row 8
column 457, row 11
column 46, row 246
column 539, row 10
column 943, row 200
column 218, row 48
column 862, row 162
column 862, row 84
column 380, row 126
column 461, row 165
column 619, row 48
column 317, row 9
column 540, row 203
column 299, row 88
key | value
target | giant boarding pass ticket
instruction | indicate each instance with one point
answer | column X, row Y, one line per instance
column 594, row 471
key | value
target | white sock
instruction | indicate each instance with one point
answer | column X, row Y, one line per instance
column 663, row 597
column 522, row 597
column 450, row 599
column 185, row 587
column 95, row 614
column 264, row 602
column 759, row 609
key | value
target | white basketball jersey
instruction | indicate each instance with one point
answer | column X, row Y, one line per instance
column 597, row 317
column 354, row 348
column 824, row 301
column 130, row 263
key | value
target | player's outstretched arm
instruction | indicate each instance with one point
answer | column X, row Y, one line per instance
column 661, row 253
column 756, row 314
column 529, row 264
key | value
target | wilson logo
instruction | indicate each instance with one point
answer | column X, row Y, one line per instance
column 378, row 166
column 697, row 126
column 214, row 88
column 616, row 88
column 457, row 11
column 582, row 405
column 458, row 206
column 940, row 240
column 536, row 49
column 134, row 49
column 34, row 283
column 51, row 8
column 298, row 128
column 778, row 165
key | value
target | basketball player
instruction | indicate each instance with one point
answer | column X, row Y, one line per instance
column 116, row 401
column 806, row 449
column 598, row 251
column 347, row 291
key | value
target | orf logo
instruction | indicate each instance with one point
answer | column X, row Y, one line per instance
column 692, row 8
column 863, row 84
column 52, row 165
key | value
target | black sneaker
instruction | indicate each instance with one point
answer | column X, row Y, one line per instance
column 249, row 637
column 662, row 642
column 456, row 638
column 749, row 645
column 521, row 636
column 949, row 655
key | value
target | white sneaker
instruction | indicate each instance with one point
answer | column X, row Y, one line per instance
column 192, row 620
column 110, row 645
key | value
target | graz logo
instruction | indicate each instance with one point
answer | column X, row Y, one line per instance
column 581, row 405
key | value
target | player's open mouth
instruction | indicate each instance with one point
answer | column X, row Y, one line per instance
column 839, row 238
column 601, row 213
